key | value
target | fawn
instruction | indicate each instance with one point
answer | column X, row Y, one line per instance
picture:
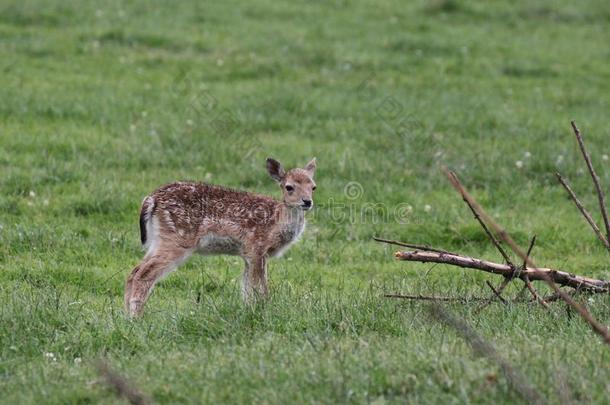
column 183, row 218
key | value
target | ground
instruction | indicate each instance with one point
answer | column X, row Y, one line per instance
column 102, row 102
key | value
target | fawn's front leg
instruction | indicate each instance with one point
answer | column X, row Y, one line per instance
column 255, row 277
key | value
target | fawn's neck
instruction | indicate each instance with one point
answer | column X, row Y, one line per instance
column 291, row 217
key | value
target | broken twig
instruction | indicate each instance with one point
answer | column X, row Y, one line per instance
column 420, row 297
column 583, row 211
column 595, row 177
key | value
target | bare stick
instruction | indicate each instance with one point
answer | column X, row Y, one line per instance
column 529, row 251
column 584, row 211
column 492, row 238
column 496, row 292
column 420, row 297
column 410, row 245
column 516, row 379
column 533, row 273
column 534, row 293
column 595, row 177
column 597, row 327
column 526, row 279
column 121, row 385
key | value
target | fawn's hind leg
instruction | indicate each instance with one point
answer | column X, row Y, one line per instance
column 146, row 274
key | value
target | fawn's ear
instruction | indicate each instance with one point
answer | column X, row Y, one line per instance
column 275, row 169
column 311, row 167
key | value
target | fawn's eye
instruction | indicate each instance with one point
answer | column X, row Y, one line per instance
column 289, row 188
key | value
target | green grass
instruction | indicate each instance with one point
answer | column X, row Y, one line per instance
column 101, row 102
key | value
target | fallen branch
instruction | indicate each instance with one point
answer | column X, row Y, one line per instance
column 532, row 273
column 420, row 297
column 529, row 271
column 597, row 327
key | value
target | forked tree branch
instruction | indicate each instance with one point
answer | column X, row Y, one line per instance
column 597, row 327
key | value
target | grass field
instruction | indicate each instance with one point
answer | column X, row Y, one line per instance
column 102, row 102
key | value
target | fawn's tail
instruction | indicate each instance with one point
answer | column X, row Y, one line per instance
column 145, row 218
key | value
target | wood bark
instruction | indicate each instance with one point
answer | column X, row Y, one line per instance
column 560, row 277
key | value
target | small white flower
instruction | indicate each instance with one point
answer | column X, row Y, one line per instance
column 50, row 356
column 591, row 301
column 220, row 62
column 144, row 114
column 427, row 208
column 189, row 123
column 519, row 164
column 77, row 360
column 527, row 155
column 45, row 201
column 32, row 193
column 604, row 157
column 559, row 159
column 132, row 127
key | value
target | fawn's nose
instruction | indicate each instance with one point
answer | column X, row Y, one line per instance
column 306, row 203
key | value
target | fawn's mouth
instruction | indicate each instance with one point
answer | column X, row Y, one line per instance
column 306, row 207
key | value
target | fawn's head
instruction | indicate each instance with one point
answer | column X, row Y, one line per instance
column 297, row 184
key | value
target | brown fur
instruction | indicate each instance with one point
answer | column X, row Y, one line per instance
column 183, row 218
